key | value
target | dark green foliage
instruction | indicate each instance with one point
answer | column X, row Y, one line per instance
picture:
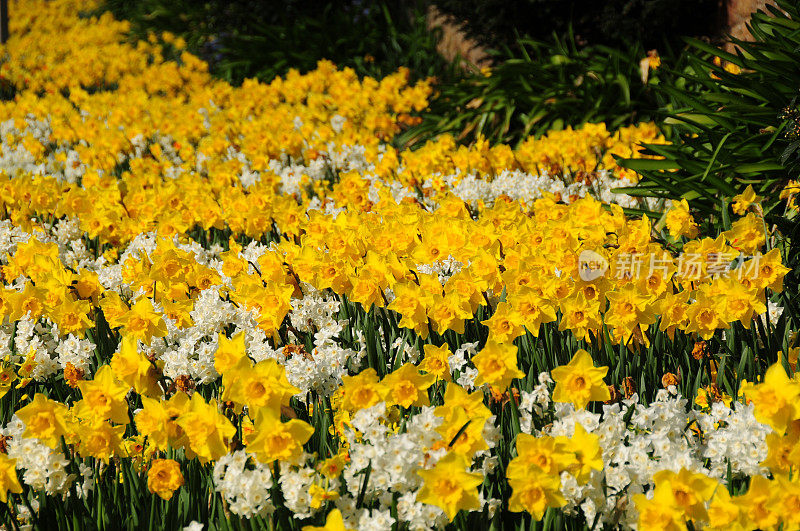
column 251, row 39
column 541, row 87
column 790, row 228
column 499, row 22
column 729, row 130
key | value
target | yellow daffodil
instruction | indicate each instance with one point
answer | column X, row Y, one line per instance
column 580, row 382
column 449, row 486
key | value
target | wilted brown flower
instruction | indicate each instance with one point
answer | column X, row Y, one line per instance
column 700, row 350
column 4, row 443
column 184, row 383
column 714, row 393
column 616, row 396
column 628, row 387
column 73, row 375
column 669, row 379
column 297, row 350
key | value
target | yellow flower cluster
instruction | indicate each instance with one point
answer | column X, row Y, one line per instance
column 176, row 136
column 574, row 153
column 536, row 260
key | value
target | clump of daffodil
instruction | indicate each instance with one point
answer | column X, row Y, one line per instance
column 742, row 202
column 580, row 382
column 776, row 398
column 497, row 365
column 450, row 486
column 164, row 477
column 275, row 440
column 8, row 478
column 680, row 222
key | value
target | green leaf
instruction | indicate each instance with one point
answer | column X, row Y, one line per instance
column 758, row 167
column 648, row 164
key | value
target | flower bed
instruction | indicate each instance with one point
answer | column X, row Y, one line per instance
column 233, row 306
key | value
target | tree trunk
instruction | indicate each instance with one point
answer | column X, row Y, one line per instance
column 738, row 15
column 455, row 43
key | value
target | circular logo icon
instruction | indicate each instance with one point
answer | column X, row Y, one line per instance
column 591, row 265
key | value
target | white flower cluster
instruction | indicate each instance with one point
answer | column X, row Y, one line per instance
column 190, row 351
column 314, row 311
column 393, row 460
column 464, row 375
column 15, row 159
column 444, row 268
column 535, row 403
column 293, row 177
column 87, row 485
column 72, row 250
column 526, row 187
column 10, row 236
column 244, row 483
column 295, row 485
column 44, row 468
column 36, row 343
column 78, row 352
column 772, row 315
column 735, row 438
column 322, row 369
column 664, row 435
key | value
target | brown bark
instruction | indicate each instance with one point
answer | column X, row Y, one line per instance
column 454, row 41
column 738, row 15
